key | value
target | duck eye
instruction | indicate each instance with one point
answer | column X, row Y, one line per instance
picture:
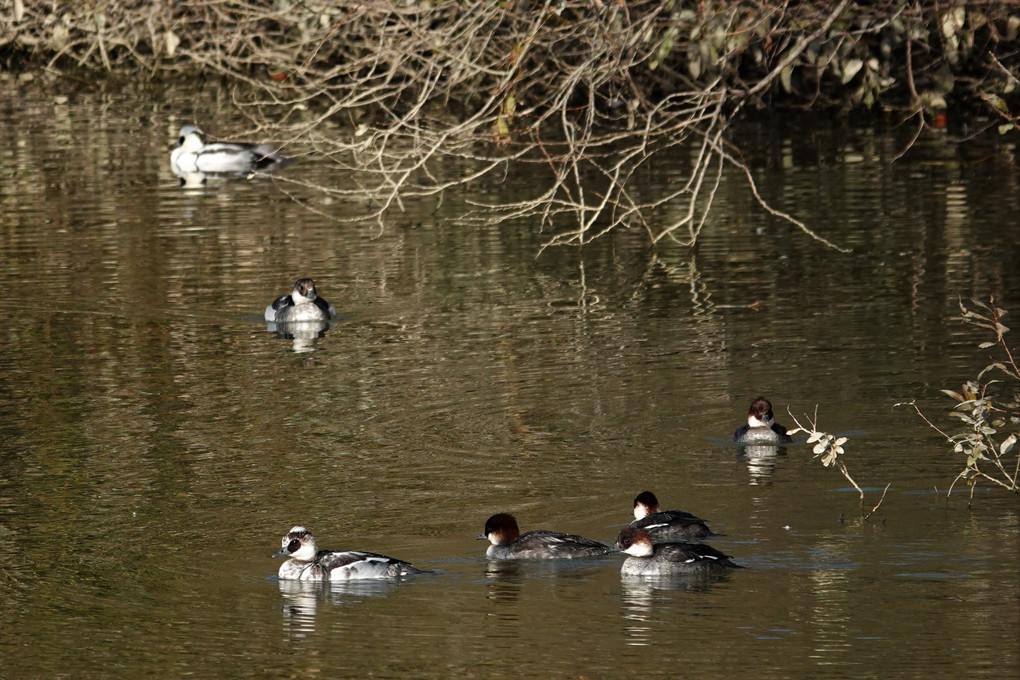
column 293, row 546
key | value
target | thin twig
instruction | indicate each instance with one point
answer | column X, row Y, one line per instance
column 884, row 491
column 797, row 49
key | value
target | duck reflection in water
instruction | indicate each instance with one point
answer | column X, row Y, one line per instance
column 506, row 578
column 640, row 595
column 301, row 599
column 300, row 603
column 303, row 334
column 761, row 462
column 193, row 180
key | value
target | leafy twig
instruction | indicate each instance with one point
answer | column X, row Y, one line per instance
column 829, row 448
column 983, row 416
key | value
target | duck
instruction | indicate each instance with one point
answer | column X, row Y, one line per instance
column 667, row 525
column 307, row 563
column 507, row 542
column 301, row 305
column 761, row 428
column 193, row 156
column 647, row 558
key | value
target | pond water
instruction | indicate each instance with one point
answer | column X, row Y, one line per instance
column 158, row 441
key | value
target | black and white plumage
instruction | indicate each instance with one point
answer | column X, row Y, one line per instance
column 507, row 542
column 193, row 156
column 308, row 563
column 667, row 525
column 646, row 558
column 302, row 304
column 761, row 428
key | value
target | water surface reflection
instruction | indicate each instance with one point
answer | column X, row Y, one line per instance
column 643, row 595
column 304, row 335
column 301, row 599
column 155, row 433
column 761, row 462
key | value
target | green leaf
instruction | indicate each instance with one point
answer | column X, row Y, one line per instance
column 997, row 102
column 662, row 50
column 502, row 128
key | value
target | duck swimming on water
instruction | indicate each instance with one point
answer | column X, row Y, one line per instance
column 508, row 543
column 308, row 563
column 667, row 525
column 761, row 428
column 646, row 558
column 302, row 305
column 192, row 155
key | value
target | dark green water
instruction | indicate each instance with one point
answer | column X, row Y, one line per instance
column 158, row 441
